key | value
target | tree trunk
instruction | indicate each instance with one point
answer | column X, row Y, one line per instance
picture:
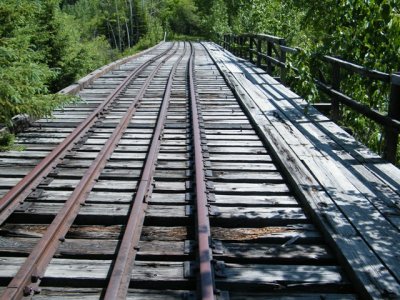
column 118, row 25
column 112, row 34
column 131, row 19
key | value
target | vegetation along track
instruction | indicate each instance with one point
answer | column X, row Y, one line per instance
column 164, row 191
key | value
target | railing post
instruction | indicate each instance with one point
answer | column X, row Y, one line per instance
column 259, row 41
column 269, row 54
column 240, row 46
column 235, row 44
column 391, row 134
column 251, row 45
column 335, row 111
column 283, row 60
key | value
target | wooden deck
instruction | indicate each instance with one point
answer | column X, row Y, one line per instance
column 351, row 194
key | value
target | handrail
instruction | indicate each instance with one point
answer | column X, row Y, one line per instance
column 270, row 53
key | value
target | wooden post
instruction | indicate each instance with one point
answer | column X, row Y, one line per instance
column 391, row 134
column 283, row 60
column 269, row 53
column 335, row 112
column 242, row 43
column 240, row 40
column 235, row 45
column 258, row 52
column 251, row 45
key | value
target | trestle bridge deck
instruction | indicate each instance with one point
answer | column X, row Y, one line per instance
column 188, row 173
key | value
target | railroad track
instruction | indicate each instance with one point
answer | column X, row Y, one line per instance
column 161, row 189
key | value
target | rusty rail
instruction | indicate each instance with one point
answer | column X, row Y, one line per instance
column 19, row 192
column 28, row 277
column 120, row 276
column 206, row 274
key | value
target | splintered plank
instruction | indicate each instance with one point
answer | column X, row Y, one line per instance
column 111, row 232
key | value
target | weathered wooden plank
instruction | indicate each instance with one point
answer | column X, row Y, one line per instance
column 264, row 214
column 240, row 157
column 248, row 188
column 285, row 274
column 274, row 253
column 243, row 200
column 101, row 210
column 238, row 150
column 108, row 232
column 8, row 182
column 91, row 248
column 290, row 296
column 235, row 166
column 95, row 294
column 97, row 269
column 14, row 171
column 244, row 176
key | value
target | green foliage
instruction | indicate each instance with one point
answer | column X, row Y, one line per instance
column 6, row 141
column 23, row 74
column 180, row 16
column 216, row 21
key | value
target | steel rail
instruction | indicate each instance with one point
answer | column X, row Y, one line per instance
column 10, row 201
column 206, row 276
column 120, row 277
column 32, row 270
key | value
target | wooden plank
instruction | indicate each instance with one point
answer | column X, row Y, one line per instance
column 268, row 215
column 272, row 253
column 238, row 150
column 149, row 233
column 234, row 166
column 244, row 176
column 285, row 274
column 240, row 158
column 98, row 209
column 93, row 248
column 246, row 200
column 240, row 295
column 95, row 294
column 251, row 188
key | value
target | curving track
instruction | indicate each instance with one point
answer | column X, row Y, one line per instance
column 161, row 188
